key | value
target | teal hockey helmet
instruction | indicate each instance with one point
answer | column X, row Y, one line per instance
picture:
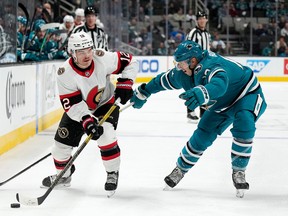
column 188, row 50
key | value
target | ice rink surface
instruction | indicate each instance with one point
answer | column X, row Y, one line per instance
column 150, row 140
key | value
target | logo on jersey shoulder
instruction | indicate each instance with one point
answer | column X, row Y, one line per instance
column 99, row 53
column 60, row 71
column 197, row 69
column 63, row 132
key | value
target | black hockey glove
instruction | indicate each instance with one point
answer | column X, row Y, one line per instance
column 91, row 126
column 124, row 90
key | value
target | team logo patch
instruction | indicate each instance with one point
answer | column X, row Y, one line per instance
column 99, row 53
column 197, row 69
column 61, row 71
column 63, row 132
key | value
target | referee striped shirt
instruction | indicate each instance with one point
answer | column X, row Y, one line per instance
column 99, row 37
column 202, row 37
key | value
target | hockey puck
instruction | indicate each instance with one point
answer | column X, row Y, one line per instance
column 15, row 205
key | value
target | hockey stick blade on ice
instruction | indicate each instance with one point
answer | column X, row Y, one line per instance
column 22, row 171
column 39, row 200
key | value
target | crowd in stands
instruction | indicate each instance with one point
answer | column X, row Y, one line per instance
column 172, row 31
column 161, row 36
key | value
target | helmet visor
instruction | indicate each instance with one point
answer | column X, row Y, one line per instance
column 181, row 65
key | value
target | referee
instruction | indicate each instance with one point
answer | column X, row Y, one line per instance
column 99, row 37
column 200, row 35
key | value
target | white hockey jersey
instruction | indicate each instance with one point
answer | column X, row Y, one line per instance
column 83, row 91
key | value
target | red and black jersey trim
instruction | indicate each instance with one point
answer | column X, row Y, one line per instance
column 69, row 100
column 124, row 59
column 87, row 72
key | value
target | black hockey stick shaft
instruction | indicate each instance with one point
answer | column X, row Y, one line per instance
column 38, row 201
column 24, row 170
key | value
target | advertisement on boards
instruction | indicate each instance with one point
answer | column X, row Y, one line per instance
column 17, row 98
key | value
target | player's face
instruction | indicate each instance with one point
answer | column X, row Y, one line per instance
column 84, row 57
column 184, row 66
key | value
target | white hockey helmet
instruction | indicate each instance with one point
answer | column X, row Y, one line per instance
column 78, row 41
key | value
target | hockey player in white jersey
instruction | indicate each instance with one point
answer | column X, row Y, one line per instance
column 86, row 94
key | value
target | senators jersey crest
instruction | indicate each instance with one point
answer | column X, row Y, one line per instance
column 94, row 97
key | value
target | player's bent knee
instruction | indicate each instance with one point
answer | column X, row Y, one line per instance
column 244, row 125
column 61, row 151
column 109, row 135
column 201, row 139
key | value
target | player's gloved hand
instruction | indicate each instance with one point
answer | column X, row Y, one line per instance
column 124, row 90
column 140, row 96
column 195, row 97
column 91, row 126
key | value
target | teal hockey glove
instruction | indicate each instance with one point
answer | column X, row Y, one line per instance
column 195, row 97
column 140, row 96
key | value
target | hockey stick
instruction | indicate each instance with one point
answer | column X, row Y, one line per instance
column 126, row 106
column 50, row 26
column 22, row 171
column 39, row 200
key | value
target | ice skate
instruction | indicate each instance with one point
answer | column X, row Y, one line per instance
column 240, row 183
column 173, row 178
column 111, row 183
column 62, row 183
column 192, row 117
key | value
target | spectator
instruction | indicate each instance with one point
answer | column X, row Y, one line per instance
column 260, row 31
column 232, row 10
column 162, row 50
column 191, row 18
column 218, row 45
column 281, row 46
column 50, row 16
column 222, row 12
column 284, row 31
column 267, row 50
column 162, row 23
column 179, row 17
column 243, row 7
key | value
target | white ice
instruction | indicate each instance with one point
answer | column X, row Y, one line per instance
column 150, row 140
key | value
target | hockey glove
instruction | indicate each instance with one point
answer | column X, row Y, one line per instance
column 91, row 126
column 140, row 96
column 195, row 97
column 124, row 90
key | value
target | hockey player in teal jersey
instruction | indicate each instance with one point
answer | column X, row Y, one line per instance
column 231, row 94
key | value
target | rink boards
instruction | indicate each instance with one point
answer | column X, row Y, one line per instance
column 29, row 95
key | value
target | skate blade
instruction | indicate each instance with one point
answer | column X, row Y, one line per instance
column 60, row 186
column 167, row 188
column 110, row 193
column 240, row 193
column 192, row 121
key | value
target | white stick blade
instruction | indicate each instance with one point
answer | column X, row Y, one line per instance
column 50, row 26
column 27, row 200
